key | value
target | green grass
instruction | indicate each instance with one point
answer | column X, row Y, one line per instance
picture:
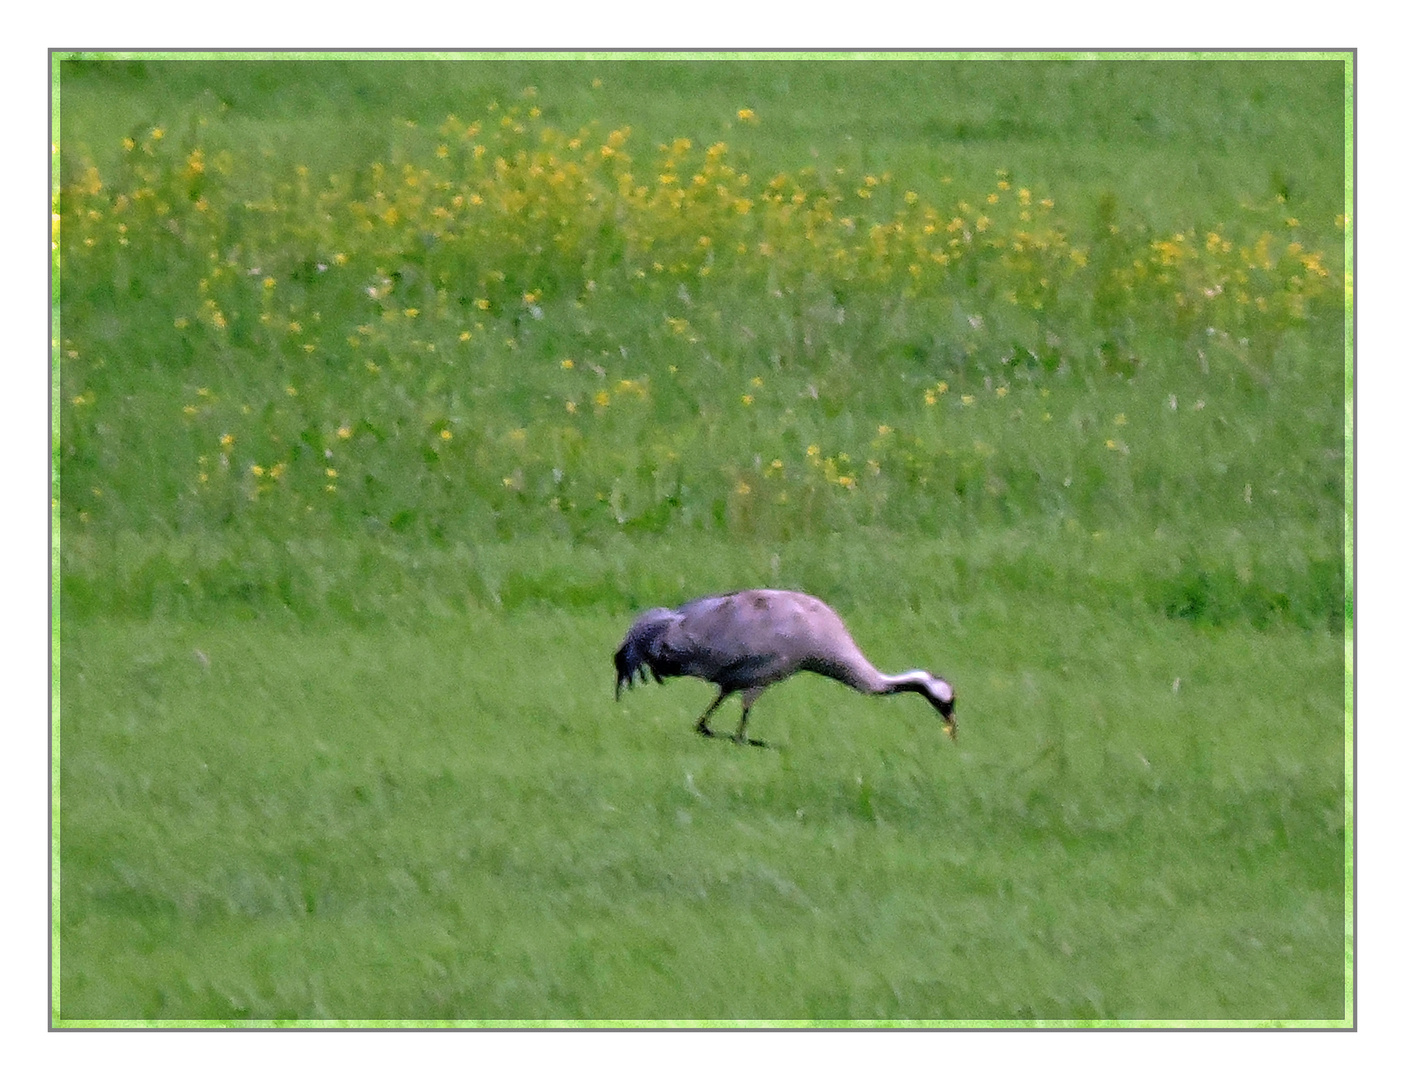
column 1178, row 137
column 466, row 803
column 341, row 571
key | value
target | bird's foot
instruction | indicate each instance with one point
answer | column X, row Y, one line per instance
column 743, row 740
column 703, row 729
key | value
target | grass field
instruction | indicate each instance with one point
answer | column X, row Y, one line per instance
column 388, row 391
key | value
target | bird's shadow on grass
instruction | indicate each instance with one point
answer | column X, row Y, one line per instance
column 748, row 741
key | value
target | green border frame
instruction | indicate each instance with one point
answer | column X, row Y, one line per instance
column 1347, row 56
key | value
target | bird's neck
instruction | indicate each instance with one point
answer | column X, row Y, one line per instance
column 858, row 673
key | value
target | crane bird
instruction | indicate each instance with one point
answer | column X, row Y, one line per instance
column 745, row 641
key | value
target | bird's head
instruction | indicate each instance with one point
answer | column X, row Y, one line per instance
column 941, row 695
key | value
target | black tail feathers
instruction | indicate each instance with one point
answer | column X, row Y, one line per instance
column 640, row 654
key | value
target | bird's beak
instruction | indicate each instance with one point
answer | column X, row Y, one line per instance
column 949, row 726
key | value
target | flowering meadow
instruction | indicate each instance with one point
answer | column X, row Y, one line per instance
column 507, row 328
column 386, row 392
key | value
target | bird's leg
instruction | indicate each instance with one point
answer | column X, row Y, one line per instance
column 740, row 736
column 748, row 699
column 702, row 727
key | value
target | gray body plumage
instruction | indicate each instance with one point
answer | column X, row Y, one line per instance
column 746, row 641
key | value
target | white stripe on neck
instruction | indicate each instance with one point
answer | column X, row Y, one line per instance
column 940, row 688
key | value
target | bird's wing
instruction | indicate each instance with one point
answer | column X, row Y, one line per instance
column 741, row 639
